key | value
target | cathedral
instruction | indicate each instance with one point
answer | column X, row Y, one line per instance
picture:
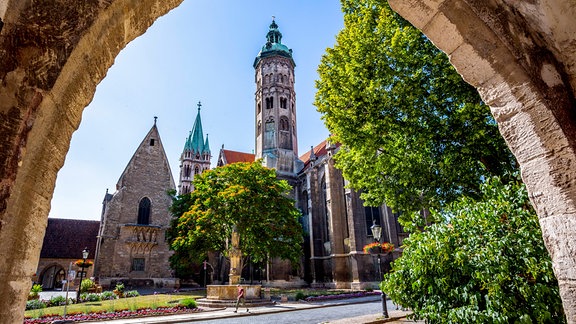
column 336, row 223
column 130, row 244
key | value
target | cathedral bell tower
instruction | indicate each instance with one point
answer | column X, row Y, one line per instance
column 195, row 158
column 276, row 138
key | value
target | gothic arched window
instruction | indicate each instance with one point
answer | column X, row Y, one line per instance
column 269, row 133
column 284, row 124
column 269, row 103
column 144, row 211
column 196, row 170
column 325, row 209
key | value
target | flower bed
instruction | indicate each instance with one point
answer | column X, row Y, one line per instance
column 343, row 296
column 377, row 247
column 99, row 316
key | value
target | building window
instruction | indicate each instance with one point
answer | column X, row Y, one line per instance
column 144, row 211
column 269, row 134
column 186, row 171
column 151, row 142
column 372, row 214
column 304, row 203
column 259, row 107
column 269, row 102
column 284, row 124
column 259, row 128
column 138, row 264
column 196, row 170
column 326, row 211
column 283, row 102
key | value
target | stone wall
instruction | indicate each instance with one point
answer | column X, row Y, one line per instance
column 52, row 56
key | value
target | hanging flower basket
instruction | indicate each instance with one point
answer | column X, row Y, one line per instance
column 376, row 247
column 82, row 264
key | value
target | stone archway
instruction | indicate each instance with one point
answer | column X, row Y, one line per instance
column 521, row 56
column 51, row 276
column 53, row 53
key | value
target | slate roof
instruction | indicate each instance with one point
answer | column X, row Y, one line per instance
column 66, row 238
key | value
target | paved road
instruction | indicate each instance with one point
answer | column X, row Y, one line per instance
column 333, row 314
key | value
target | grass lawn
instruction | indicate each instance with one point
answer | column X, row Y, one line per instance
column 154, row 301
column 132, row 303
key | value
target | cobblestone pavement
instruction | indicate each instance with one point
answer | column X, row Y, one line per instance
column 354, row 310
column 348, row 311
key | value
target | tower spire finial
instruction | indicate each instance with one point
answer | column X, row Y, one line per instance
column 155, row 117
column 199, row 105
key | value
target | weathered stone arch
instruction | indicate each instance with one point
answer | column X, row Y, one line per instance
column 521, row 56
column 53, row 53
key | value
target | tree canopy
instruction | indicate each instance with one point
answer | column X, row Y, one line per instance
column 486, row 263
column 247, row 195
column 414, row 135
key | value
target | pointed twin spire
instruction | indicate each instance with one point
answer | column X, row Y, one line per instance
column 195, row 141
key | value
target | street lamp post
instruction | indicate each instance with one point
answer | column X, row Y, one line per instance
column 85, row 253
column 377, row 233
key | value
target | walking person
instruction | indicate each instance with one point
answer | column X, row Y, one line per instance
column 240, row 298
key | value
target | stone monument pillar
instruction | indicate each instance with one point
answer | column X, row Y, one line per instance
column 235, row 258
column 225, row 295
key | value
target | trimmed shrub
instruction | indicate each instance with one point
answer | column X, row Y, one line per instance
column 86, row 284
column 131, row 293
column 35, row 304
column 300, row 295
column 188, row 303
column 57, row 301
column 108, row 295
column 92, row 297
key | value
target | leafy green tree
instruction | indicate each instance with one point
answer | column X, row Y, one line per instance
column 414, row 135
column 486, row 263
column 247, row 195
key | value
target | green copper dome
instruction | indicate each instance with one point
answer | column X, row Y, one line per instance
column 274, row 45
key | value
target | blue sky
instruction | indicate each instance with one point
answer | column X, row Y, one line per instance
column 200, row 51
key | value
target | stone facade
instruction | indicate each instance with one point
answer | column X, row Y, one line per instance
column 336, row 223
column 63, row 244
column 131, row 242
column 337, row 226
column 52, row 273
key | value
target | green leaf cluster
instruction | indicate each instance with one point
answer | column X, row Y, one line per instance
column 486, row 263
column 414, row 135
column 246, row 195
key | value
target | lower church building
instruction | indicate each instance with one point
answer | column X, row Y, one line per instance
column 130, row 244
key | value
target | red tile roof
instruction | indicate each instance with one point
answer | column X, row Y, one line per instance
column 319, row 151
column 66, row 238
column 234, row 156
